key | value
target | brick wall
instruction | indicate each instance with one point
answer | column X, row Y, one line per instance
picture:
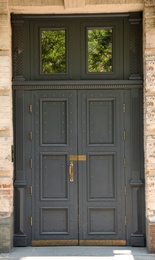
column 6, row 133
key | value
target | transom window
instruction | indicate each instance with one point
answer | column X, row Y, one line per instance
column 78, row 48
column 99, row 50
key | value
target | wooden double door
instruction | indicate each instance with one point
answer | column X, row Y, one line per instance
column 78, row 125
column 77, row 167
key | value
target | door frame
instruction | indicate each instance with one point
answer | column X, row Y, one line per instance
column 130, row 81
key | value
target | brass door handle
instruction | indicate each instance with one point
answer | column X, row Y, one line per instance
column 71, row 171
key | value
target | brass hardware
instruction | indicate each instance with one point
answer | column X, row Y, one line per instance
column 124, row 163
column 30, row 136
column 81, row 242
column 124, row 108
column 71, row 171
column 125, row 190
column 77, row 157
column 124, row 135
column 31, row 163
column 102, row 242
column 125, row 220
column 31, row 190
column 30, row 108
column 54, row 242
column 31, row 221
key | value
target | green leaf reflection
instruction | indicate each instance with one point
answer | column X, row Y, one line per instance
column 100, row 50
column 53, row 51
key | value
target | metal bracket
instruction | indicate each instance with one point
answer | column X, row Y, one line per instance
column 12, row 153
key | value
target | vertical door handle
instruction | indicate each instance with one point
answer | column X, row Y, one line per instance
column 71, row 171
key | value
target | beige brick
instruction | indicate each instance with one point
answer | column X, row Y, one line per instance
column 92, row 2
column 36, row 3
column 150, row 186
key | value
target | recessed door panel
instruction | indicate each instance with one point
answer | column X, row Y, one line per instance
column 97, row 223
column 100, row 121
column 54, row 121
column 101, row 176
column 54, row 221
column 54, row 176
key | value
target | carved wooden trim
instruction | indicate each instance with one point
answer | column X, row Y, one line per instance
column 76, row 86
column 19, row 183
column 18, row 49
column 136, row 183
column 135, row 46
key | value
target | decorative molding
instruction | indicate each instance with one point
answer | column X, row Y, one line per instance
column 74, row 86
column 20, row 240
column 135, row 46
column 136, row 183
column 18, row 48
column 137, row 240
column 20, row 183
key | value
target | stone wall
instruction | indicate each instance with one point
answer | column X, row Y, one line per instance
column 149, row 119
column 6, row 125
column 6, row 133
column 75, row 6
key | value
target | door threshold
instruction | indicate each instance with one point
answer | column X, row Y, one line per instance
column 80, row 243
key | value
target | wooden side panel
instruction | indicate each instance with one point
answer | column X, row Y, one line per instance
column 22, row 178
column 134, row 170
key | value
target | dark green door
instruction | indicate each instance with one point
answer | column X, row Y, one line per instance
column 54, row 207
column 78, row 184
column 101, row 177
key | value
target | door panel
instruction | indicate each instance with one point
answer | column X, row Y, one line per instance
column 101, row 177
column 54, row 196
column 99, row 204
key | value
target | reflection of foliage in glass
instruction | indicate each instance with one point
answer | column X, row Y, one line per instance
column 99, row 50
column 53, row 51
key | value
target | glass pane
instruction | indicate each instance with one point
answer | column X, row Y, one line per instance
column 99, row 50
column 53, row 51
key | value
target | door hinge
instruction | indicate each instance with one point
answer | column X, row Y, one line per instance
column 30, row 108
column 124, row 163
column 31, row 221
column 30, row 136
column 125, row 190
column 125, row 221
column 124, row 135
column 31, row 190
column 124, row 108
column 31, row 163
column 12, row 153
